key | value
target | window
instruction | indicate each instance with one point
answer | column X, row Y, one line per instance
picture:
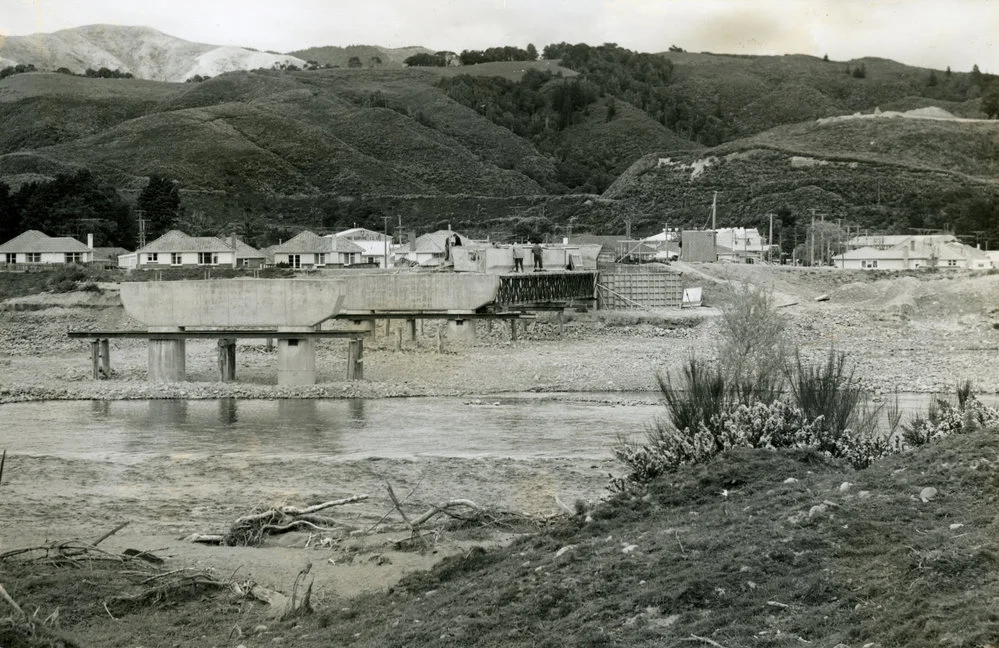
column 952, row 263
column 295, row 260
column 321, row 259
column 152, row 257
column 33, row 257
column 11, row 257
column 74, row 257
column 208, row 258
column 348, row 258
column 870, row 263
column 175, row 258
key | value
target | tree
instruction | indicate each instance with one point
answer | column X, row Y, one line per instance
column 160, row 202
column 990, row 100
column 860, row 72
column 932, row 80
column 532, row 52
column 354, row 62
column 976, row 75
column 375, row 61
column 825, row 57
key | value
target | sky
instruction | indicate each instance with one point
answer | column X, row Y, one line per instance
column 926, row 33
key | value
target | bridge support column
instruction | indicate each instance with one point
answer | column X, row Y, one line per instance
column 411, row 324
column 461, row 330
column 227, row 359
column 167, row 357
column 296, row 359
column 355, row 359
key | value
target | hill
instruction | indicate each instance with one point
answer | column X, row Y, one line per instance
column 142, row 51
column 367, row 55
column 598, row 136
column 883, row 171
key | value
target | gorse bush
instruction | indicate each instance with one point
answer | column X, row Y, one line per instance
column 753, row 348
column 828, row 394
column 738, row 401
column 943, row 419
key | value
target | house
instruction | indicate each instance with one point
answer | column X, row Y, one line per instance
column 309, row 250
column 376, row 247
column 429, row 249
column 175, row 249
column 597, row 249
column 107, row 257
column 888, row 241
column 34, row 247
column 914, row 252
column 247, row 256
column 740, row 245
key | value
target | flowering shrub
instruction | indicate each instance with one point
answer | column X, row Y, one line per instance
column 943, row 419
column 758, row 425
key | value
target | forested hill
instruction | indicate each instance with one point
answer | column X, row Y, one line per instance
column 505, row 147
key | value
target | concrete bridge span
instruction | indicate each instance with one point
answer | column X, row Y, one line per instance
column 168, row 308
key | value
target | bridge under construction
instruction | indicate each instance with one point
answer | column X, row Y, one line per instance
column 293, row 312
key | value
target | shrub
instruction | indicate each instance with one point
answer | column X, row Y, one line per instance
column 753, row 348
column 943, row 419
column 828, row 393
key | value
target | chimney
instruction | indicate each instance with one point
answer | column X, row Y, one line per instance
column 90, row 241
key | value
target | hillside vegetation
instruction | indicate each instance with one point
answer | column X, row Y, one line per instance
column 599, row 136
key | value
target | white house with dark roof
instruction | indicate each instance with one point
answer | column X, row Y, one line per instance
column 34, row 247
column 247, row 256
column 175, row 249
column 309, row 250
column 377, row 247
column 914, row 252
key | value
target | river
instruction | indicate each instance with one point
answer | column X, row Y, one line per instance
column 517, row 426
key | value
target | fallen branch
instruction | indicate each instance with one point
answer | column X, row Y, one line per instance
column 251, row 529
column 3, row 460
column 110, row 533
column 5, row 596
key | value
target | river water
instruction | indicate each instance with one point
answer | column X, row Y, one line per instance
column 519, row 426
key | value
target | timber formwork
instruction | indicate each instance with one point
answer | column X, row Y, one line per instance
column 640, row 286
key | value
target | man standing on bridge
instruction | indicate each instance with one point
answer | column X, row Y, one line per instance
column 518, row 258
column 536, row 253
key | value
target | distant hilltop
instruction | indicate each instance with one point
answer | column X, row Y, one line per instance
column 144, row 52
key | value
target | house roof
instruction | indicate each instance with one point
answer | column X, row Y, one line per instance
column 891, row 240
column 35, row 241
column 434, row 242
column 362, row 234
column 244, row 251
column 109, row 253
column 306, row 242
column 923, row 250
column 177, row 241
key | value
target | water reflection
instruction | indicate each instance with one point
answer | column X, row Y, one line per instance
column 167, row 411
column 228, row 411
column 100, row 408
column 356, row 408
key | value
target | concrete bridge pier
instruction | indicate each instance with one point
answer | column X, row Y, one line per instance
column 461, row 330
column 167, row 356
column 296, row 358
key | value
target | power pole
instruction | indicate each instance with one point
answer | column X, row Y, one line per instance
column 386, row 219
column 714, row 210
column 811, row 255
column 140, row 214
column 770, row 246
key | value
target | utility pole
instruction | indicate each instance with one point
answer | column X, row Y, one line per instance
column 140, row 214
column 770, row 245
column 811, row 255
column 714, row 209
column 386, row 219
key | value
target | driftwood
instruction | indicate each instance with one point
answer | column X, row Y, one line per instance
column 459, row 513
column 251, row 529
column 77, row 553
